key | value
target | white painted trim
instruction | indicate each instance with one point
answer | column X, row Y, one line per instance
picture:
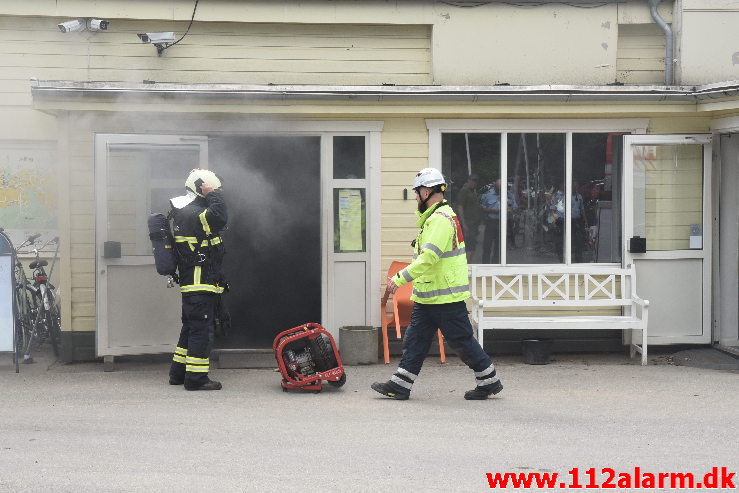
column 503, row 197
column 327, row 244
column 374, row 226
column 673, row 139
column 704, row 253
column 371, row 257
column 504, row 126
column 102, row 143
column 635, row 125
column 726, row 124
column 568, row 199
column 313, row 127
column 666, row 254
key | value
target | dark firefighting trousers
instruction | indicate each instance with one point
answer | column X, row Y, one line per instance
column 190, row 362
column 455, row 325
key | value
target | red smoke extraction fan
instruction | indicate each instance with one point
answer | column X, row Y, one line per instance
column 306, row 355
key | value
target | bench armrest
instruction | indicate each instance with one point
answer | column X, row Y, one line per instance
column 640, row 301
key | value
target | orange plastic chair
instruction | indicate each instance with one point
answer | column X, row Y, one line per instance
column 401, row 314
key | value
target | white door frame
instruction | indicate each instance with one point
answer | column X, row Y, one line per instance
column 102, row 144
column 628, row 219
column 323, row 129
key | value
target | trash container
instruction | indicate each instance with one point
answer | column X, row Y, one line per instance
column 358, row 345
column 536, row 351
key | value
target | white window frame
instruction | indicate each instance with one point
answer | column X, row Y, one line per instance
column 505, row 126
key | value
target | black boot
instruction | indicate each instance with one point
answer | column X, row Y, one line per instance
column 391, row 390
column 176, row 381
column 209, row 385
column 482, row 393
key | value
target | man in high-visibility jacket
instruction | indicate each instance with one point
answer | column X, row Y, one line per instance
column 440, row 286
column 198, row 218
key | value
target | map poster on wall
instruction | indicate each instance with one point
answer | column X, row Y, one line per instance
column 28, row 193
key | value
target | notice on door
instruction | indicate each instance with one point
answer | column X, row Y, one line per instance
column 350, row 220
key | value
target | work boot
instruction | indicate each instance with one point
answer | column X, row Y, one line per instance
column 482, row 393
column 209, row 385
column 391, row 390
column 176, row 381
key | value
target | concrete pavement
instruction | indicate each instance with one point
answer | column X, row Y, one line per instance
column 75, row 428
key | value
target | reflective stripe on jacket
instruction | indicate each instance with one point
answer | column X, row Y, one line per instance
column 439, row 267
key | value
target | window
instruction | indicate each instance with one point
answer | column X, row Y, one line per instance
column 534, row 182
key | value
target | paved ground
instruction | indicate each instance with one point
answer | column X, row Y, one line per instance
column 76, row 428
column 708, row 358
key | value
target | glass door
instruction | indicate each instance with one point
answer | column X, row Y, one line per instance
column 667, row 232
column 136, row 175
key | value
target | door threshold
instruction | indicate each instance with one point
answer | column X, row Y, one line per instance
column 244, row 358
column 732, row 350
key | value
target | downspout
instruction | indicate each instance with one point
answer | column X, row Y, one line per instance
column 669, row 57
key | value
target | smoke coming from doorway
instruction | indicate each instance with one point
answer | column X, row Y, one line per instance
column 273, row 260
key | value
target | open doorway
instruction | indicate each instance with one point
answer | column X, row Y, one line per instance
column 273, row 242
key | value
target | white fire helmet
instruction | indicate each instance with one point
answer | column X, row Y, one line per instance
column 196, row 178
column 429, row 178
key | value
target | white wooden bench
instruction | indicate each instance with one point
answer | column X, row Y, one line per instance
column 517, row 297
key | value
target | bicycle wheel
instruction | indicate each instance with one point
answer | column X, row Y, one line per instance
column 54, row 323
column 35, row 328
column 17, row 332
column 23, row 319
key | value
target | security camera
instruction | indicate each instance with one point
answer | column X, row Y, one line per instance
column 157, row 38
column 71, row 26
column 97, row 25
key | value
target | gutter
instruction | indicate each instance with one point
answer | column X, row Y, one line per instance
column 73, row 90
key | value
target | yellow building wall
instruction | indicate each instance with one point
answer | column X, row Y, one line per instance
column 302, row 43
column 404, row 141
column 640, row 57
column 213, row 52
column 709, row 51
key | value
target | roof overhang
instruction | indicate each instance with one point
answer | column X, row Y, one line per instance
column 52, row 95
column 50, row 90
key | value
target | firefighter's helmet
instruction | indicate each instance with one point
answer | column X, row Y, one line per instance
column 198, row 177
column 429, row 178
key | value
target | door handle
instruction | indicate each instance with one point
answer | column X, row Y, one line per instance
column 637, row 244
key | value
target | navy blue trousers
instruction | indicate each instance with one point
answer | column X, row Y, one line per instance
column 191, row 359
column 455, row 325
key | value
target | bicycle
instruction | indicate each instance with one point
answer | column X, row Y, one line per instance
column 43, row 312
column 23, row 309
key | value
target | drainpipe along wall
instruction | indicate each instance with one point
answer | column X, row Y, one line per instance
column 669, row 57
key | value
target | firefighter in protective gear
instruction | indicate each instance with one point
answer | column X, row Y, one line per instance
column 440, row 288
column 198, row 218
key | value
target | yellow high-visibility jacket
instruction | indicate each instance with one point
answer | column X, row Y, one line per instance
column 439, row 267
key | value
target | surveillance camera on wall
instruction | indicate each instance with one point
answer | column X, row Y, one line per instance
column 97, row 25
column 71, row 26
column 157, row 38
